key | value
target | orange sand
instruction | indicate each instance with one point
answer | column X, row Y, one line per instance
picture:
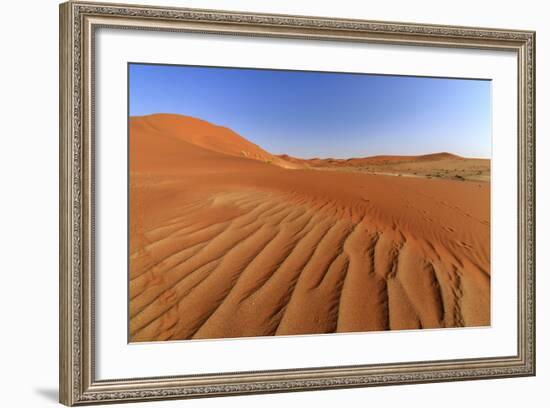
column 227, row 240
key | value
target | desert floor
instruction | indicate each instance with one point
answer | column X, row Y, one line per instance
column 227, row 240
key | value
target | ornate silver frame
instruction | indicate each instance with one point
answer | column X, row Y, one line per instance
column 78, row 22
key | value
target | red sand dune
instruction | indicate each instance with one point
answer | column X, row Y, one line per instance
column 224, row 244
column 382, row 159
column 200, row 133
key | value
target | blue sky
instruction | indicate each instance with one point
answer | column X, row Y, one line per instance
column 318, row 114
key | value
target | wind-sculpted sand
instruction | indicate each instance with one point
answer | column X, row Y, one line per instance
column 225, row 244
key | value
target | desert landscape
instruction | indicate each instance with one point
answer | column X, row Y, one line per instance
column 229, row 240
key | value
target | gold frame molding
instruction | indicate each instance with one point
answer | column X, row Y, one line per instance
column 78, row 23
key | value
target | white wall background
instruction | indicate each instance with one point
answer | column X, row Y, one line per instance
column 29, row 194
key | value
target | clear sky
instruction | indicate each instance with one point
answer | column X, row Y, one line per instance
column 318, row 114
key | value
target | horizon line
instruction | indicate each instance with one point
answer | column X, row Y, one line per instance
column 432, row 153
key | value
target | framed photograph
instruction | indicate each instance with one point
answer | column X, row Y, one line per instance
column 256, row 203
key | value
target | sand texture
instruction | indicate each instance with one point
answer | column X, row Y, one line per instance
column 228, row 240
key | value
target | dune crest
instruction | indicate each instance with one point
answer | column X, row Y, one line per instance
column 225, row 246
column 201, row 133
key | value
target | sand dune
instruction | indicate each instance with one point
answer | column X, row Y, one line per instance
column 230, row 245
column 435, row 165
column 200, row 133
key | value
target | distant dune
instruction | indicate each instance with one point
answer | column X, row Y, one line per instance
column 440, row 165
column 381, row 159
column 231, row 244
